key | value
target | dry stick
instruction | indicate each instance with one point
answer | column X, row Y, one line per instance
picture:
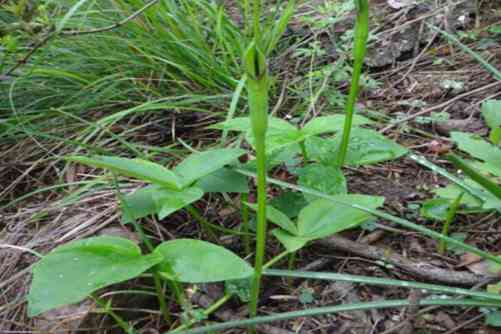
column 421, row 269
column 113, row 26
column 25, row 59
column 52, row 34
column 440, row 105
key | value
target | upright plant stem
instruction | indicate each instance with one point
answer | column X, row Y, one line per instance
column 119, row 320
column 359, row 49
column 244, row 198
column 451, row 214
column 256, row 20
column 257, row 89
column 144, row 238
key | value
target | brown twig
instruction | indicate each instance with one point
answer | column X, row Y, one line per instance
column 441, row 105
column 25, row 59
column 113, row 26
column 423, row 270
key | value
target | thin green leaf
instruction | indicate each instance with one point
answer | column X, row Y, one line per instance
column 136, row 168
column 489, row 185
column 316, row 311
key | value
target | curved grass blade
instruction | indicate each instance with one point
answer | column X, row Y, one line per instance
column 382, row 282
column 336, row 309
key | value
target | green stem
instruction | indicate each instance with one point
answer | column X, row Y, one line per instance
column 261, row 224
column 244, row 198
column 290, row 266
column 257, row 17
column 160, row 296
column 257, row 91
column 360, row 47
column 302, row 145
column 146, row 240
column 275, row 259
column 451, row 213
column 208, row 311
column 108, row 310
column 206, row 226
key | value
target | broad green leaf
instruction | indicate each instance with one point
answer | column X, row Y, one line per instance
column 491, row 111
column 321, row 149
column 477, row 147
column 224, row 180
column 73, row 271
column 278, row 218
column 136, row 168
column 196, row 261
column 322, row 217
column 139, row 204
column 201, row 164
column 334, row 123
column 291, row 242
column 365, row 147
column 324, row 178
column 168, row 201
column 289, row 202
column 369, row 147
column 279, row 135
column 436, row 208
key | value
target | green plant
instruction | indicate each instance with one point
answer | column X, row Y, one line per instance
column 361, row 35
column 170, row 190
column 319, row 219
column 74, row 271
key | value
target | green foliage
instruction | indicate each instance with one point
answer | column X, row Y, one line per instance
column 435, row 208
column 281, row 133
column 171, row 190
column 289, row 202
column 224, row 180
column 196, row 261
column 365, row 147
column 493, row 319
column 137, row 168
column 201, row 164
column 491, row 111
column 327, row 179
column 73, row 271
column 320, row 219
